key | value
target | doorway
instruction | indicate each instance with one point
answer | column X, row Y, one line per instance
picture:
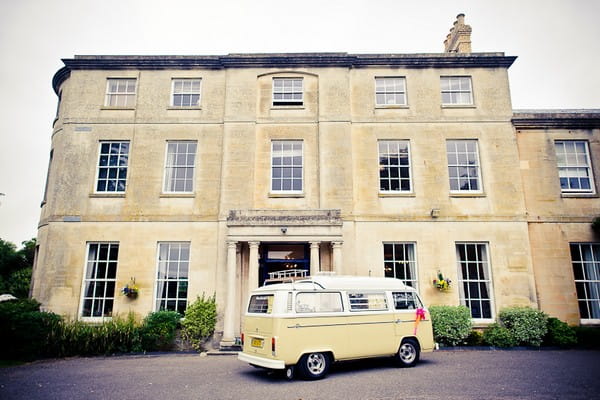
column 276, row 257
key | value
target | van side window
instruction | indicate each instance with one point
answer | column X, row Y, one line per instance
column 318, row 302
column 367, row 301
column 406, row 301
column 261, row 304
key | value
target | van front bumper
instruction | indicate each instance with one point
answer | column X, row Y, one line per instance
column 261, row 361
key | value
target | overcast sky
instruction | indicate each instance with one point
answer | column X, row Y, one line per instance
column 556, row 42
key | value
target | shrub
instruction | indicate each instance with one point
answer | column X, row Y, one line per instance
column 158, row 330
column 18, row 283
column 498, row 336
column 559, row 334
column 26, row 331
column 588, row 337
column 527, row 325
column 475, row 338
column 451, row 324
column 200, row 321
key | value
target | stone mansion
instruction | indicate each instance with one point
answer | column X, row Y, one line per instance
column 183, row 175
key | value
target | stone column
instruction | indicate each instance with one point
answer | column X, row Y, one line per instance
column 315, row 264
column 229, row 317
column 337, row 257
column 253, row 267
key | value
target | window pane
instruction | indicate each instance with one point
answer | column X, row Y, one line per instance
column 172, row 275
column 112, row 164
column 286, row 162
column 179, row 166
column 100, row 279
column 456, row 90
column 287, row 91
column 463, row 162
column 586, row 270
column 186, row 92
column 390, row 91
column 574, row 169
column 394, row 162
column 400, row 262
column 474, row 278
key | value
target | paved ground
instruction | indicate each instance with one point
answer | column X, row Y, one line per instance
column 522, row 374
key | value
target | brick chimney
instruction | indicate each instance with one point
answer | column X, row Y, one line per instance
column 459, row 38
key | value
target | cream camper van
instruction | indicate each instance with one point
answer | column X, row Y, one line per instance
column 305, row 325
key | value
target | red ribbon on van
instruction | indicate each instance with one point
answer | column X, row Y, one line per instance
column 420, row 316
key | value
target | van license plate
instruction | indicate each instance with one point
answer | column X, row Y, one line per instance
column 257, row 342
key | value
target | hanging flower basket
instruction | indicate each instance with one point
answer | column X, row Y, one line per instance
column 442, row 284
column 130, row 290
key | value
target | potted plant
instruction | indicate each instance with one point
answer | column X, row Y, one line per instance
column 442, row 284
column 130, row 290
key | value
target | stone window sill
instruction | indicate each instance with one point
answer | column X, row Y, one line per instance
column 107, row 195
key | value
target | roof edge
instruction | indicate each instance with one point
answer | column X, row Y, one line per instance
column 559, row 118
column 278, row 60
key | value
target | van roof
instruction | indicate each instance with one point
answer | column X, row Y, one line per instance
column 340, row 283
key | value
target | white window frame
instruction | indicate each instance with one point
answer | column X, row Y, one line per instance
column 109, row 168
column 185, row 92
column 389, row 88
column 455, row 88
column 587, row 283
column 574, row 165
column 173, row 168
column 458, row 165
column 405, row 262
column 462, row 280
column 107, row 281
column 178, row 280
column 398, row 168
column 115, row 96
column 289, row 88
column 283, row 166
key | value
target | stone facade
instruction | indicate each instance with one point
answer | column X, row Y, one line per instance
column 513, row 224
column 557, row 218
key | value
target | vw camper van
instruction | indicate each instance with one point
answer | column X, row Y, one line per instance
column 308, row 324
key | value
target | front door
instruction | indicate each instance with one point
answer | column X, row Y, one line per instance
column 276, row 257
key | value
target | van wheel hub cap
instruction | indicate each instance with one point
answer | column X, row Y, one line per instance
column 316, row 363
column 407, row 353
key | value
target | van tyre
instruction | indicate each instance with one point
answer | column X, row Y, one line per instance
column 408, row 353
column 314, row 365
column 289, row 372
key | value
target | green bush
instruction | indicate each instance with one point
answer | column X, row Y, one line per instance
column 498, row 336
column 451, row 324
column 26, row 331
column 199, row 321
column 559, row 334
column 18, row 283
column 158, row 330
column 588, row 337
column 118, row 335
column 527, row 325
column 475, row 338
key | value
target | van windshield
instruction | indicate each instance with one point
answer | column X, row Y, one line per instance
column 261, row 304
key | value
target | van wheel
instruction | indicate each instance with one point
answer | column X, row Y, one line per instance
column 408, row 354
column 314, row 365
column 289, row 372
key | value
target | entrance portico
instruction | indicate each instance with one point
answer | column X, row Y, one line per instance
column 260, row 242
